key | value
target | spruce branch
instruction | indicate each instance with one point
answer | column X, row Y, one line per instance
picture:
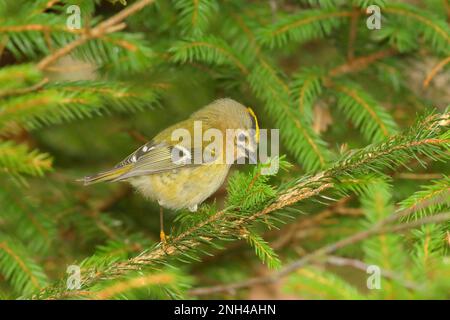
column 263, row 250
column 324, row 251
column 316, row 283
column 159, row 284
column 430, row 199
column 429, row 138
column 256, row 54
column 18, row 160
column 28, row 221
column 20, row 91
column 25, row 275
column 210, row 50
column 306, row 87
column 302, row 27
column 20, row 79
column 375, row 123
column 352, row 34
column 309, row 149
column 195, row 15
column 435, row 31
column 55, row 103
column 108, row 26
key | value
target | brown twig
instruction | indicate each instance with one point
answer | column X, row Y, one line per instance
column 360, row 265
column 360, row 63
column 19, row 91
column 110, row 25
column 438, row 67
column 447, row 9
column 352, row 34
column 418, row 176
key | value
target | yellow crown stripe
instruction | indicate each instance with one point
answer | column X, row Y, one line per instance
column 252, row 113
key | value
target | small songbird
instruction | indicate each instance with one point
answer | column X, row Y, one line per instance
column 183, row 174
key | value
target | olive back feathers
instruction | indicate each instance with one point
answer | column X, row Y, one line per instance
column 156, row 155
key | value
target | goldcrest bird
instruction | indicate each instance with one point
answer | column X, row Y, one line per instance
column 167, row 171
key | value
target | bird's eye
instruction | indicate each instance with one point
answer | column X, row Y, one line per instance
column 242, row 137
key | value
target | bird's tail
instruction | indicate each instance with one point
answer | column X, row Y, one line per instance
column 109, row 175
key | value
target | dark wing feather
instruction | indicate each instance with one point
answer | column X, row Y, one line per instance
column 154, row 158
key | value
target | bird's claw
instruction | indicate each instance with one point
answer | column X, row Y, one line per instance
column 163, row 237
column 164, row 240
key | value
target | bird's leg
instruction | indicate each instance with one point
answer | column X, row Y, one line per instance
column 162, row 235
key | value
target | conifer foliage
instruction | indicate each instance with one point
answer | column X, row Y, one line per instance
column 363, row 181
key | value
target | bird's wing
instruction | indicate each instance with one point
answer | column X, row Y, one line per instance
column 155, row 158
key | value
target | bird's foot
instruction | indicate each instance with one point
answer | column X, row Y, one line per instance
column 163, row 237
column 164, row 240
